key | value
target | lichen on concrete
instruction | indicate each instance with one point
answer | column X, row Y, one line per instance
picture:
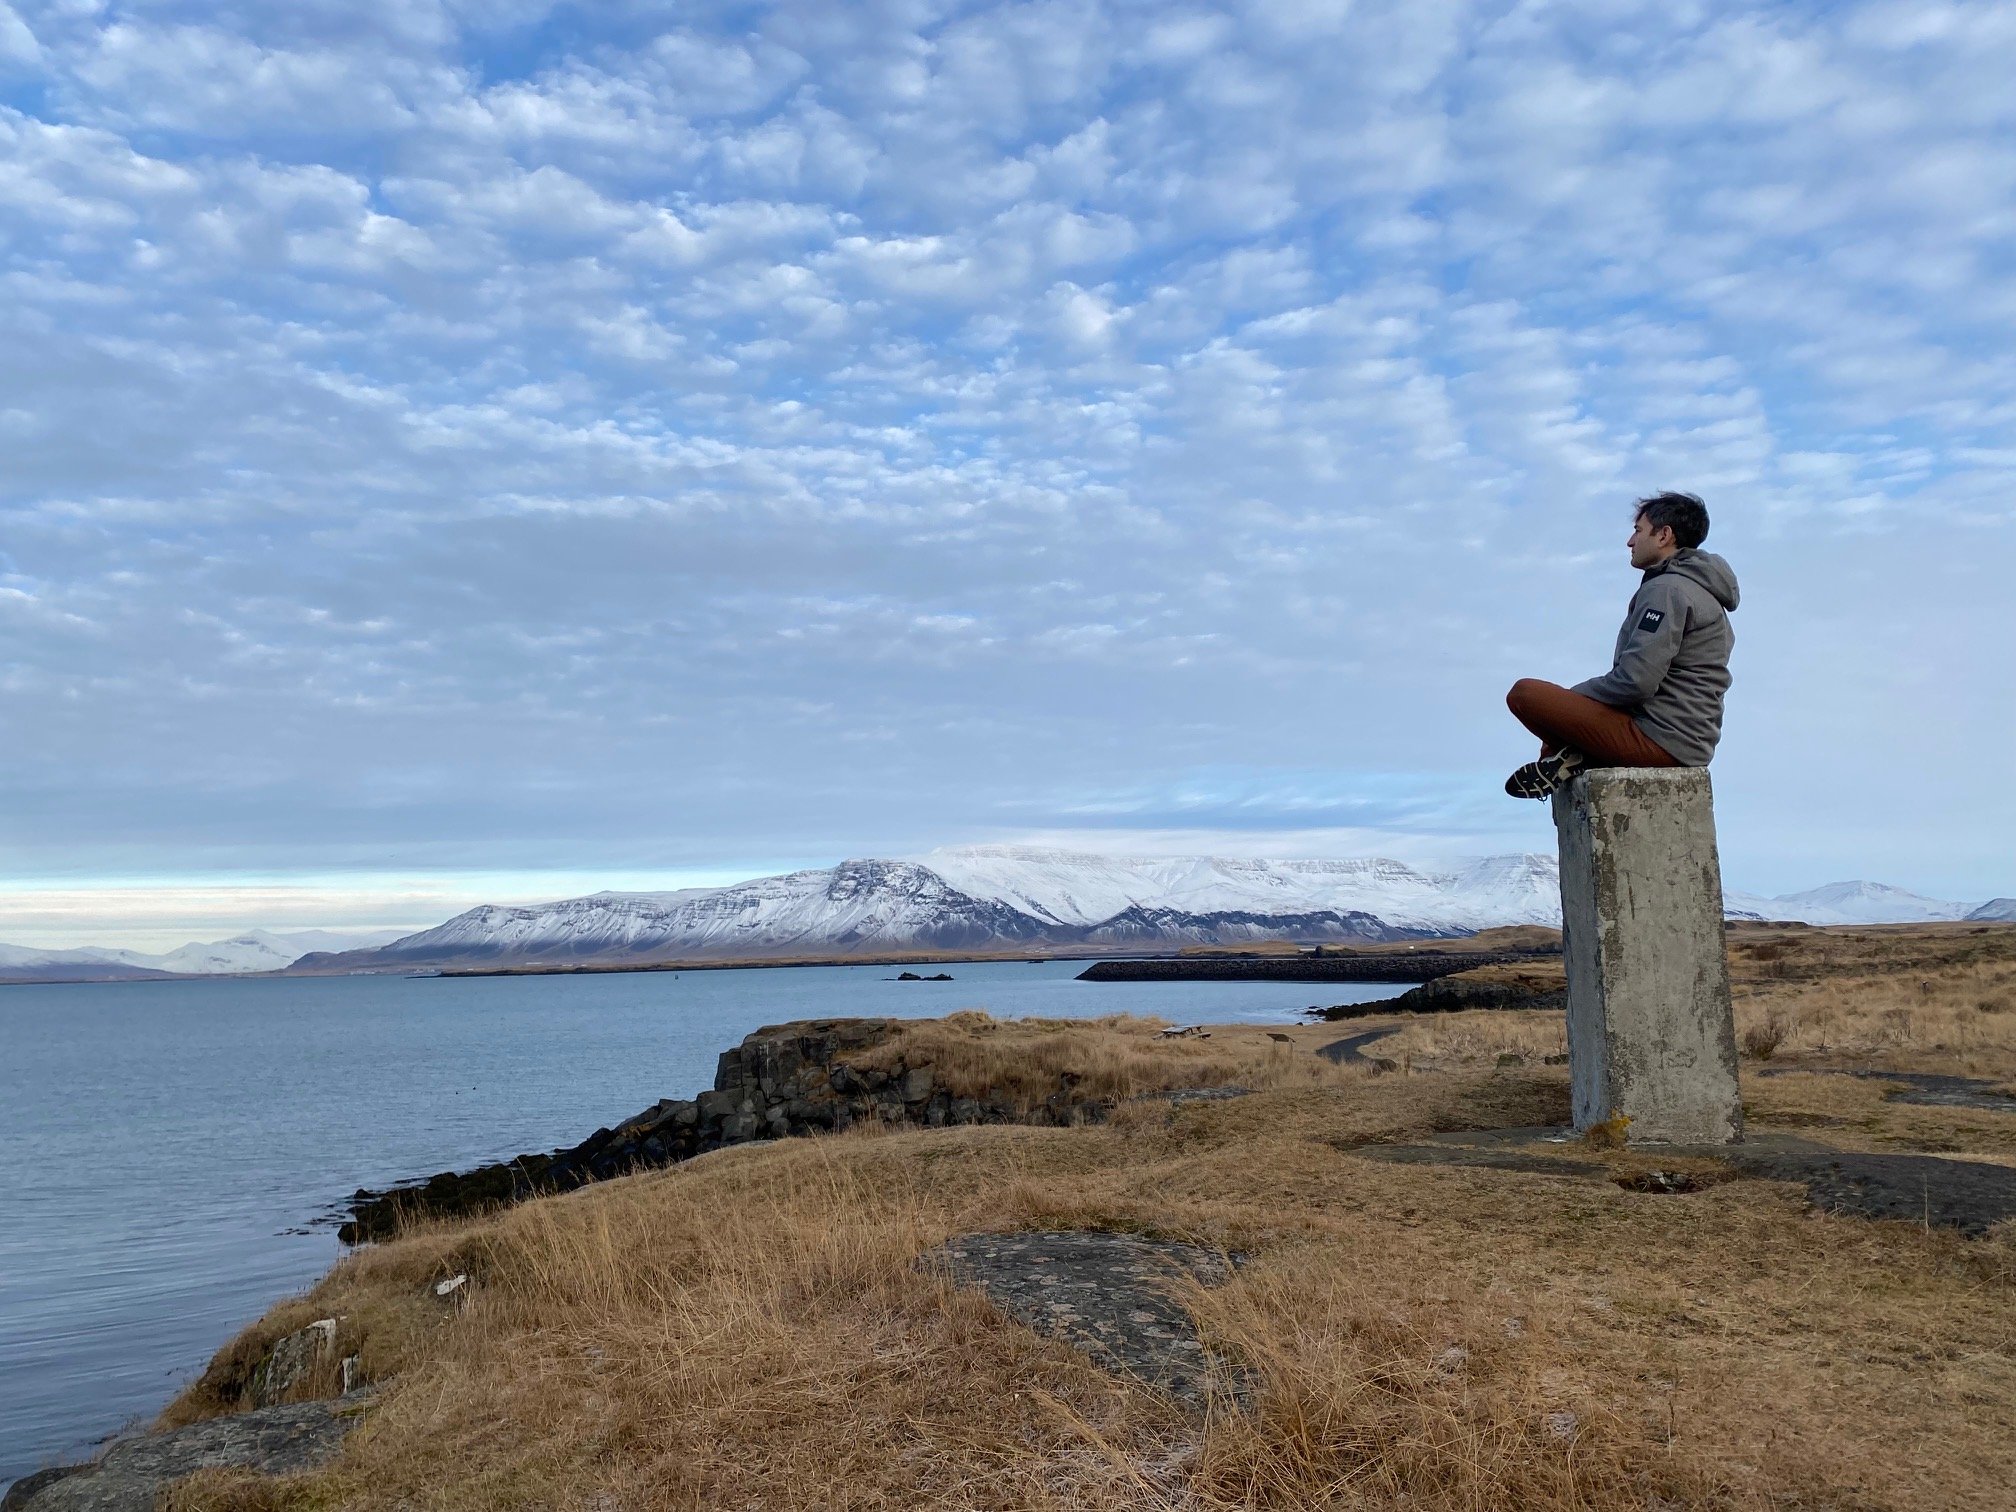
column 1651, row 1033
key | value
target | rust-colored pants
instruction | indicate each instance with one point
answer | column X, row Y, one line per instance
column 1604, row 734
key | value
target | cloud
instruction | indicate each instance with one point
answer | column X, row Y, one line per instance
column 499, row 439
column 18, row 48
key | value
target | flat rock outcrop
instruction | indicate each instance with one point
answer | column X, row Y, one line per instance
column 1970, row 1196
column 134, row 1471
column 1108, row 1295
column 788, row 1079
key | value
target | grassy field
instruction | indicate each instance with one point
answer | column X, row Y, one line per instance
column 1924, row 997
column 751, row 1330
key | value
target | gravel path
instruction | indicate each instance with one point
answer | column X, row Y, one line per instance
column 1351, row 1049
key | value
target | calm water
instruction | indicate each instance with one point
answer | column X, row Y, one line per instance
column 165, row 1145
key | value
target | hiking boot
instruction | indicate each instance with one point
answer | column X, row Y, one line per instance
column 1542, row 778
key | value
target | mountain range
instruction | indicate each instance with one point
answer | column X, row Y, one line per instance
column 979, row 898
column 254, row 951
column 1025, row 898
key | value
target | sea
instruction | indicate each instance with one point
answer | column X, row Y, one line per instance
column 174, row 1155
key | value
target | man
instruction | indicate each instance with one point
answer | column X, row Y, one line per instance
column 1660, row 704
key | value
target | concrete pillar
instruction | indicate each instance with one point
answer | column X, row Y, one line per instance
column 1650, row 1031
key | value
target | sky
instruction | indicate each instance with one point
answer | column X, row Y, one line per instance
column 458, row 452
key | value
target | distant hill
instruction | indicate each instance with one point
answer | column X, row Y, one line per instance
column 70, row 966
column 257, row 950
column 1847, row 903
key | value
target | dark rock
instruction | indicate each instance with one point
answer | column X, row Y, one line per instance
column 1927, row 1090
column 1923, row 1088
column 292, row 1361
column 1960, row 1194
column 1108, row 1295
column 789, row 1079
column 1967, row 1195
column 129, row 1476
column 18, row 1494
column 1458, row 994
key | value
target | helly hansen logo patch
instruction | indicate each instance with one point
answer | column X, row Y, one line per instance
column 1653, row 619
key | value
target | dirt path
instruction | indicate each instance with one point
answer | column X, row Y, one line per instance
column 1351, row 1049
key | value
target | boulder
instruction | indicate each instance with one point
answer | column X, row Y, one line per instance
column 131, row 1475
column 293, row 1362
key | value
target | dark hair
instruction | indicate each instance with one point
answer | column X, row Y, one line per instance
column 1685, row 513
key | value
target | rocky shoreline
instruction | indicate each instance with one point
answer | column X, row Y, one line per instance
column 784, row 1080
column 797, row 1078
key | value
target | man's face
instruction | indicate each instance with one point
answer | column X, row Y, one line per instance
column 1650, row 547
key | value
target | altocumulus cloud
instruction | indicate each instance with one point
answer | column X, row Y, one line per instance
column 496, row 439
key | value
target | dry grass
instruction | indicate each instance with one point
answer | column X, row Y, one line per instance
column 752, row 1331
column 1938, row 997
column 1120, row 1056
column 1761, row 1040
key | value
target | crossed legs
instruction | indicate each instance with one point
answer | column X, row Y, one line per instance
column 1606, row 736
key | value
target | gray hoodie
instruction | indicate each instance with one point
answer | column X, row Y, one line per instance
column 1672, row 665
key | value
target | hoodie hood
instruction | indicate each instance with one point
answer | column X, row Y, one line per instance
column 1707, row 569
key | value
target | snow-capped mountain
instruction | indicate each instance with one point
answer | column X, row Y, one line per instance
column 256, row 950
column 1005, row 897
column 1066, row 887
column 990, row 898
column 21, row 963
column 1847, row 903
column 263, row 950
column 857, row 906
column 1995, row 911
